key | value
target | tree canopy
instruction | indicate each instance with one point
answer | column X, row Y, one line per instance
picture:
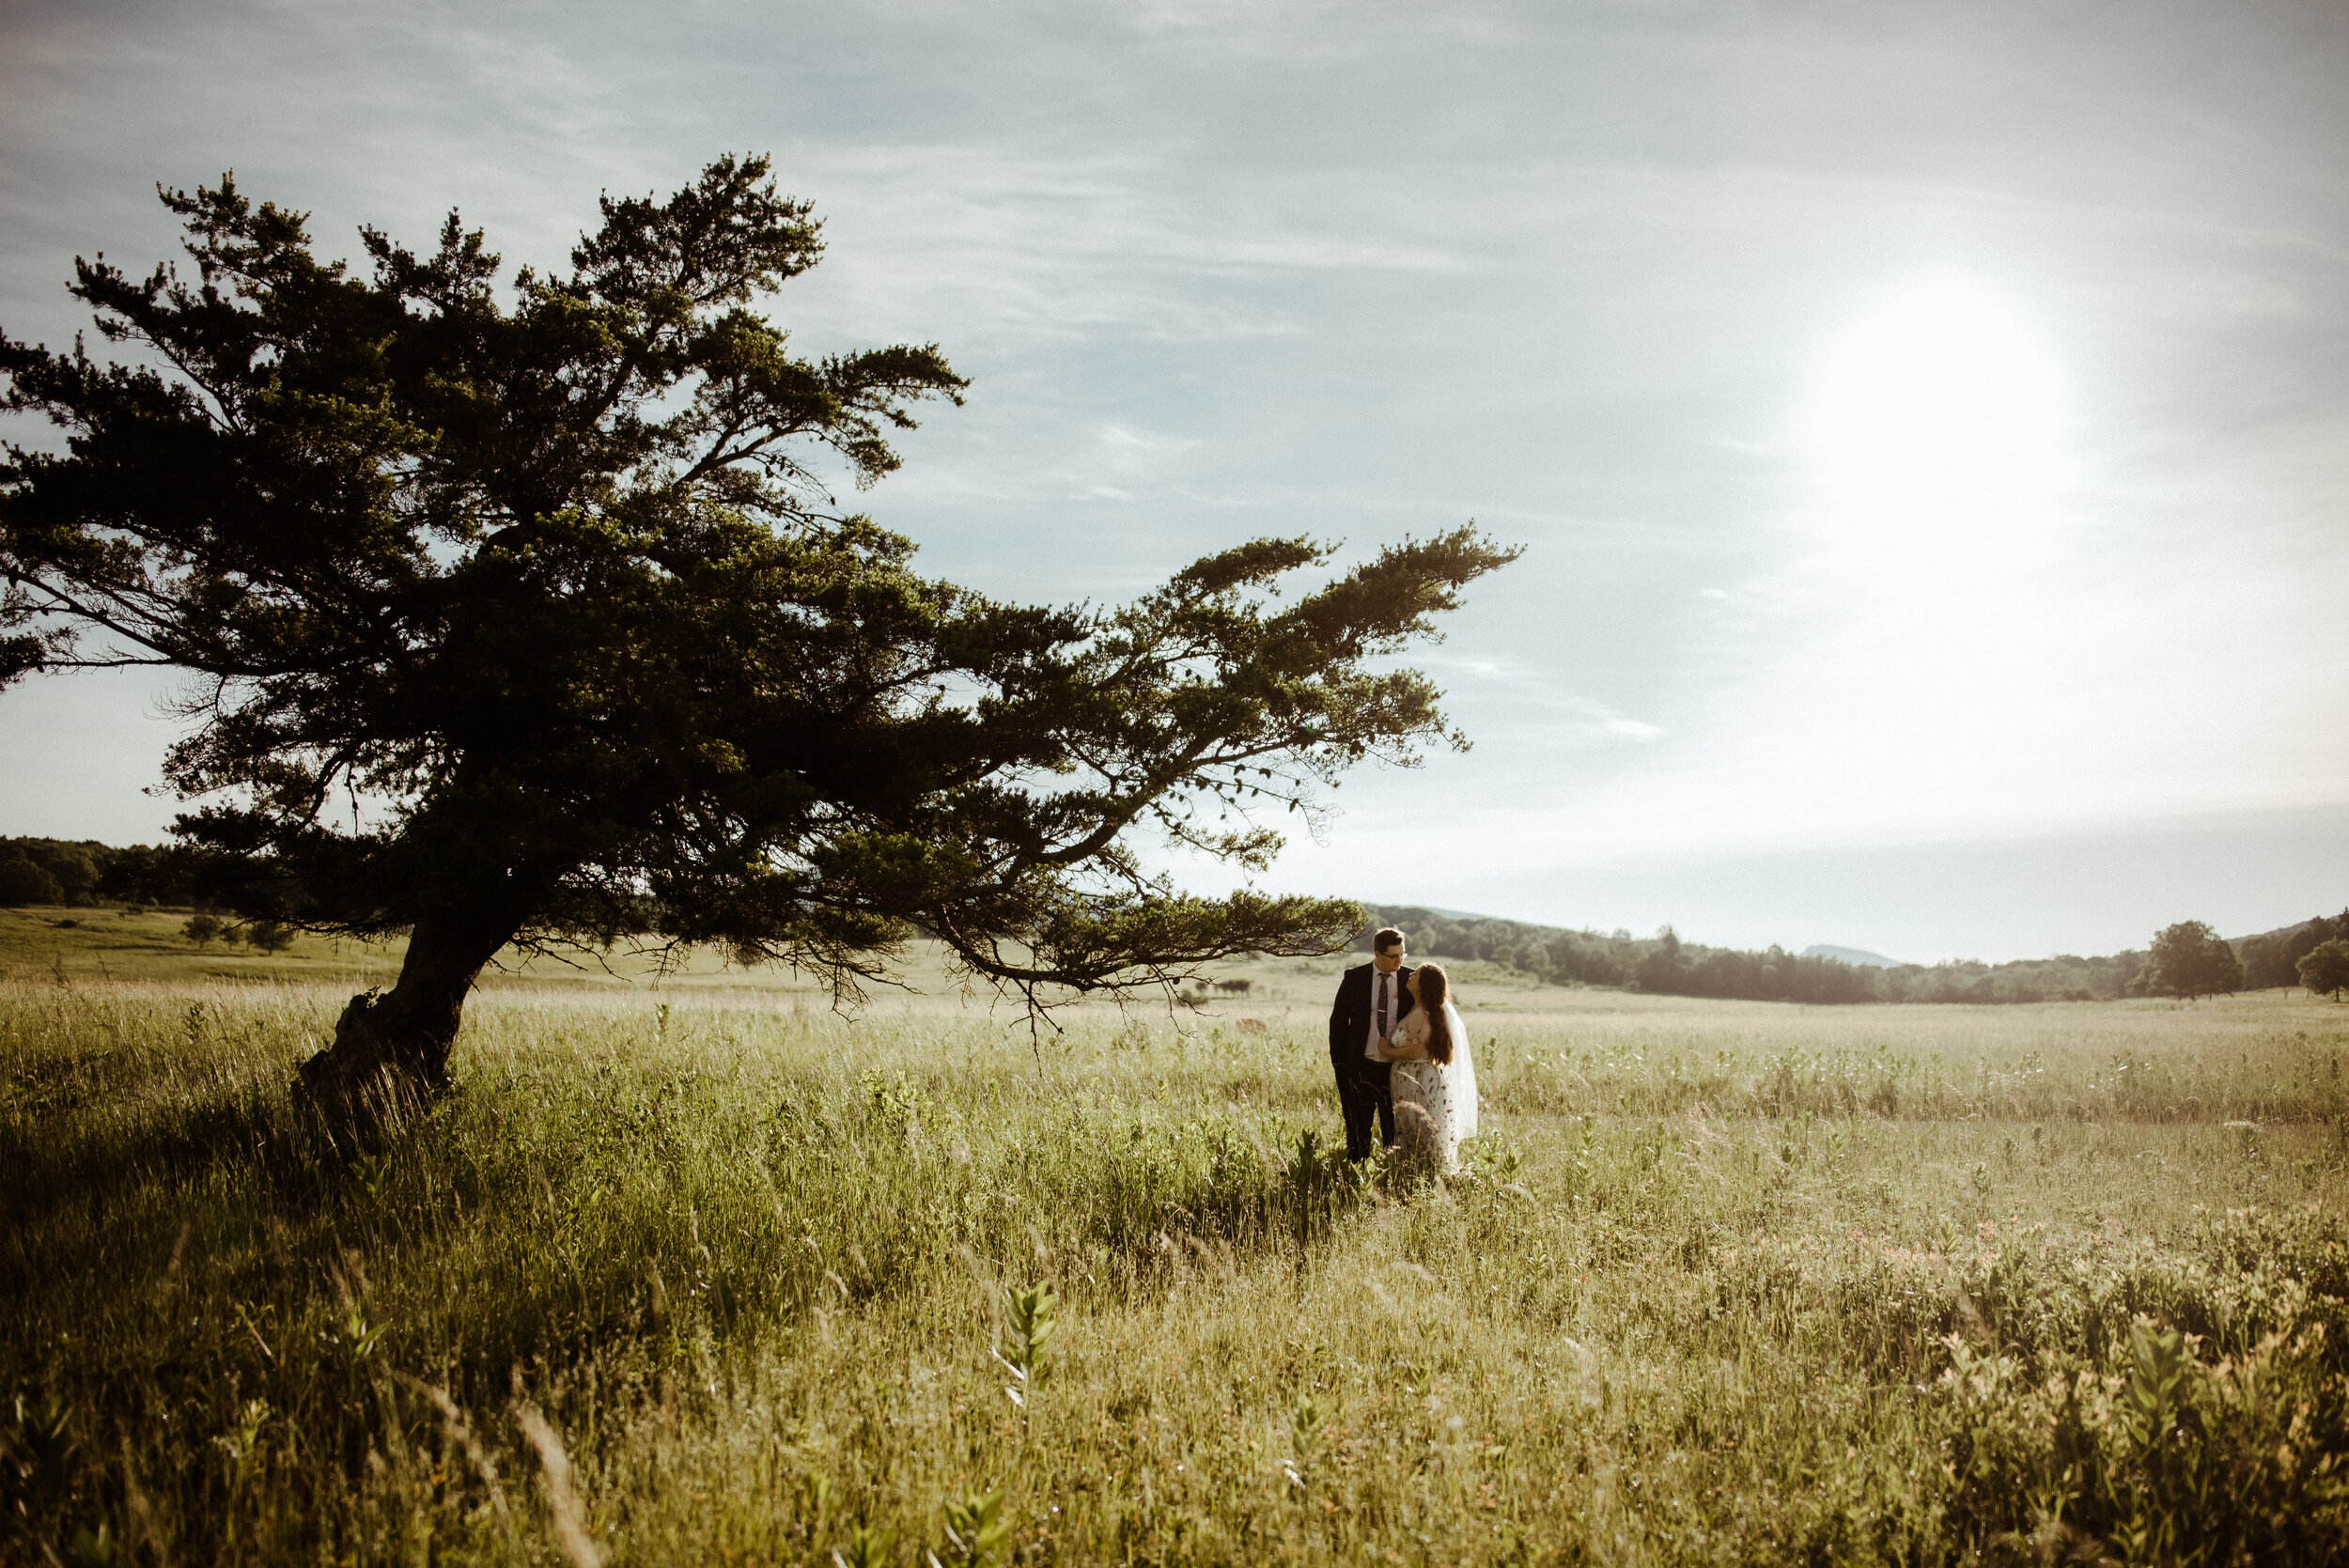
column 2190, row 960
column 2324, row 968
column 2274, row 959
column 26, row 881
column 54, row 871
column 521, row 612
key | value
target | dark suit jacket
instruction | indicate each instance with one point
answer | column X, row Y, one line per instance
column 1349, row 1017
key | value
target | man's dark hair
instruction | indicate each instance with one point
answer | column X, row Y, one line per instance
column 1388, row 936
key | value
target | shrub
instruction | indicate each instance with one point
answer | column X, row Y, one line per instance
column 2210, row 1431
column 2167, row 1459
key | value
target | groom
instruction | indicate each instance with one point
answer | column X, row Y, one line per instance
column 1371, row 1001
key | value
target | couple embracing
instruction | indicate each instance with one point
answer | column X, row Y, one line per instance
column 1401, row 1056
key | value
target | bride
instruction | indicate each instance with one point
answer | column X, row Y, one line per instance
column 1435, row 1075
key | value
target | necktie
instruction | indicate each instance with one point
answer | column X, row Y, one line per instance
column 1380, row 1022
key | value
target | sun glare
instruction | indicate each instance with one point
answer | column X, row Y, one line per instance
column 1939, row 438
column 1937, row 426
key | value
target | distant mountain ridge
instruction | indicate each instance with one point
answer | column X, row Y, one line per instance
column 1857, row 956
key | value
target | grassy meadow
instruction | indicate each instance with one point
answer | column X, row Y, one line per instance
column 691, row 1268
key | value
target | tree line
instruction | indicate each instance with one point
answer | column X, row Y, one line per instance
column 2187, row 959
column 2300, row 955
column 73, row 872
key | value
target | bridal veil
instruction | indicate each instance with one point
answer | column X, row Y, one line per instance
column 1459, row 1078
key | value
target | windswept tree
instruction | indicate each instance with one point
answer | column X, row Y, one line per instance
column 523, row 616
column 2191, row 960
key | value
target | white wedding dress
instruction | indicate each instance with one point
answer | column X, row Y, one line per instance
column 1435, row 1104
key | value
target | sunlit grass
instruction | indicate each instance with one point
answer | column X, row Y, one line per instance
column 1724, row 1282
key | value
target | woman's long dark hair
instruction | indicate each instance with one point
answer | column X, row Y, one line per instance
column 1433, row 987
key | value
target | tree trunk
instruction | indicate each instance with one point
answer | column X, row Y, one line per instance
column 389, row 1058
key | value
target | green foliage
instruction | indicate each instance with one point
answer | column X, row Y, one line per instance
column 269, row 936
column 2190, row 960
column 24, row 880
column 868, row 1546
column 74, row 866
column 546, row 565
column 1029, row 1321
column 975, row 1531
column 151, row 873
column 2324, row 968
column 50, row 871
column 56, row 871
column 2154, row 1453
column 2273, row 959
column 203, row 928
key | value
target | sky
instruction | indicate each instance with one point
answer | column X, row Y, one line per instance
column 1924, row 423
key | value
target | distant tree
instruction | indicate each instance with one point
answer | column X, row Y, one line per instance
column 269, row 936
column 73, row 865
column 2302, row 940
column 2265, row 966
column 23, row 880
column 75, row 869
column 2272, row 960
column 2324, row 968
column 543, row 566
column 203, row 929
column 152, row 873
column 2191, row 960
column 1665, row 964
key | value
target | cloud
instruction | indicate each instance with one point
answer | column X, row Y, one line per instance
column 1598, row 719
column 1361, row 270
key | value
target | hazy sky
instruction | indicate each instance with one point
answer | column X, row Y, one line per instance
column 1925, row 423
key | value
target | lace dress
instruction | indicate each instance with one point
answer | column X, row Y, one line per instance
column 1435, row 1105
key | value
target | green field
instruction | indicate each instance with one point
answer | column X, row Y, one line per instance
column 1724, row 1282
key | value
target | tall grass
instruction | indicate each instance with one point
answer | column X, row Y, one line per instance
column 713, row 1280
